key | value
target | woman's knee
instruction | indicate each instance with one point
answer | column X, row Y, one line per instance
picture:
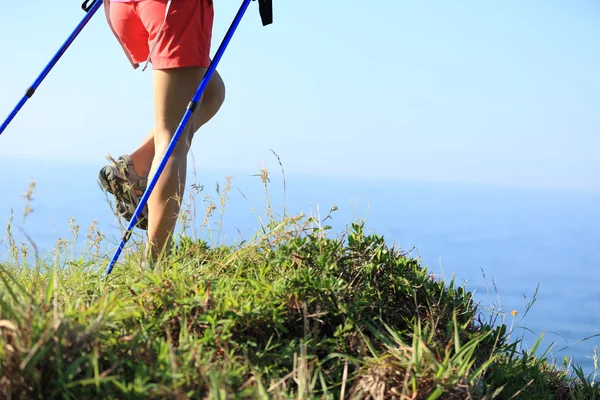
column 217, row 91
column 212, row 100
column 214, row 96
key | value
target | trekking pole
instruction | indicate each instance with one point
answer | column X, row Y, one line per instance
column 190, row 109
column 90, row 11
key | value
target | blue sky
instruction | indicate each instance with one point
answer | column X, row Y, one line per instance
column 464, row 91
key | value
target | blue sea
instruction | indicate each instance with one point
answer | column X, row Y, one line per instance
column 504, row 243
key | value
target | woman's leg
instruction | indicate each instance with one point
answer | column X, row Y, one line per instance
column 214, row 96
column 180, row 57
column 173, row 90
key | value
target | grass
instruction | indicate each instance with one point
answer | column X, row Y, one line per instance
column 296, row 311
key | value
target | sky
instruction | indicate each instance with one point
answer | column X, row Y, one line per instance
column 503, row 92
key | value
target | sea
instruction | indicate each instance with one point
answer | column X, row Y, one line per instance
column 532, row 251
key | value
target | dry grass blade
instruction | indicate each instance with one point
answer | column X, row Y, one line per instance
column 6, row 324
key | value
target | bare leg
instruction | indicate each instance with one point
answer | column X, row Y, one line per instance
column 173, row 90
column 213, row 98
column 142, row 157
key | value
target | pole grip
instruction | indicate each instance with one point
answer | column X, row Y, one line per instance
column 265, row 8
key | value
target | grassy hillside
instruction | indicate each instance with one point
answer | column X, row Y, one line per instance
column 298, row 311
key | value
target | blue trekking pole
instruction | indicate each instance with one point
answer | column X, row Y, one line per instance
column 90, row 10
column 266, row 15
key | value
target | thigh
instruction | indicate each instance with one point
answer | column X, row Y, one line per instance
column 173, row 91
column 185, row 37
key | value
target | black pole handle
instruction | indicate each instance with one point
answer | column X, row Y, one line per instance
column 87, row 5
column 266, row 11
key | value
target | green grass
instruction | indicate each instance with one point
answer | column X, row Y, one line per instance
column 297, row 311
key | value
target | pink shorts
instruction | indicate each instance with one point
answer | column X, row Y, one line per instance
column 185, row 37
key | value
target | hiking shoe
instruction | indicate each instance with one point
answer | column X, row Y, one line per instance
column 120, row 179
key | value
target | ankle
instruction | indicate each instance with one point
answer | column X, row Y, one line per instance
column 141, row 164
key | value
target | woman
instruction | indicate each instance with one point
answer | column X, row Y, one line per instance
column 175, row 37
